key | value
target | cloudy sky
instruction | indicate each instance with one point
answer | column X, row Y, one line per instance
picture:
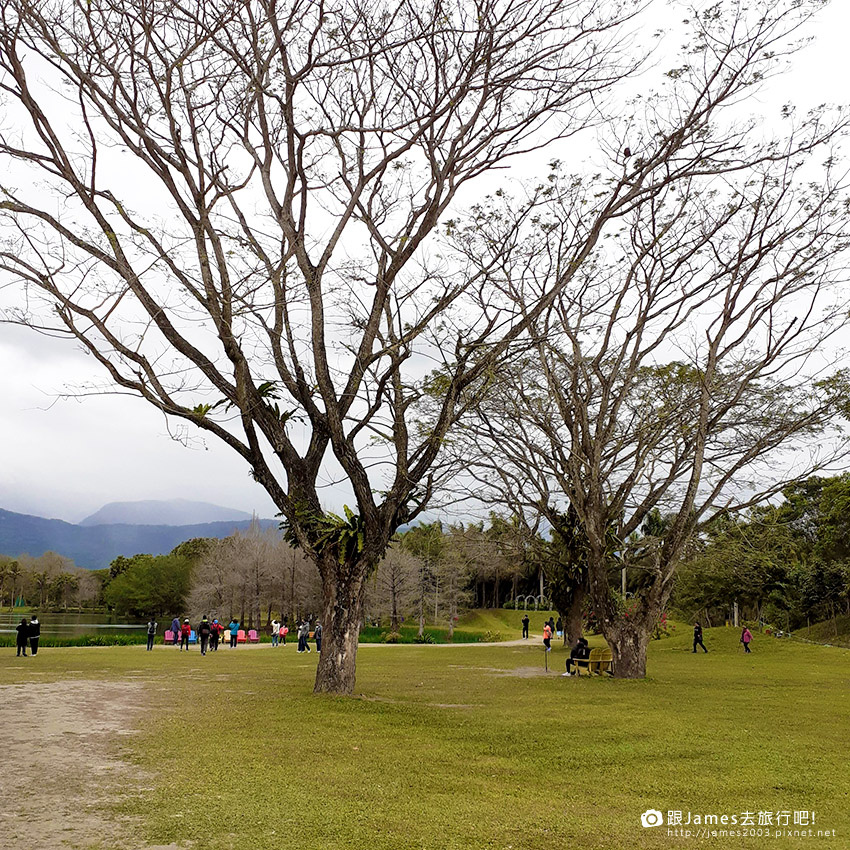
column 64, row 458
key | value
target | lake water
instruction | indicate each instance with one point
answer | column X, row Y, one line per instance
column 70, row 625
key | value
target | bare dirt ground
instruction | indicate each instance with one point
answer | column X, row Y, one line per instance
column 62, row 764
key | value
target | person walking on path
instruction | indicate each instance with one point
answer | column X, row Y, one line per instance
column 234, row 632
column 318, row 635
column 215, row 634
column 23, row 630
column 525, row 622
column 547, row 637
column 698, row 637
column 746, row 637
column 204, row 632
column 185, row 634
column 35, row 633
column 152, row 624
column 275, row 632
column 175, row 631
column 559, row 627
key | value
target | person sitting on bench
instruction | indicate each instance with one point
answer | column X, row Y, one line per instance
column 580, row 652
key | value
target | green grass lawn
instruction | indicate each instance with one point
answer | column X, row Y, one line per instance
column 464, row 747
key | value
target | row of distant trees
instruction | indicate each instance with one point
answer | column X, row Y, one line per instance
column 431, row 574
column 787, row 563
column 47, row 581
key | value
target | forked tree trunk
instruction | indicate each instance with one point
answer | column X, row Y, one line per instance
column 343, row 589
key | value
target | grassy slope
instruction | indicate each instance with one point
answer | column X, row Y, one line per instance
column 825, row 632
column 442, row 752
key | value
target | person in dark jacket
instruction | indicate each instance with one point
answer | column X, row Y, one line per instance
column 580, row 652
column 215, row 633
column 35, row 633
column 204, row 632
column 151, row 630
column 698, row 637
column 175, row 632
column 318, row 635
column 525, row 622
column 23, row 630
column 303, row 636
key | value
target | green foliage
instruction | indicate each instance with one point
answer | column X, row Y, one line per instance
column 789, row 562
column 328, row 532
column 195, row 549
column 425, row 637
column 149, row 584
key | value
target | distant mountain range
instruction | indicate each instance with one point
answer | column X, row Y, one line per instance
column 110, row 532
column 171, row 512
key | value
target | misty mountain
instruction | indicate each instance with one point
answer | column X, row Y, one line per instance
column 94, row 546
column 167, row 512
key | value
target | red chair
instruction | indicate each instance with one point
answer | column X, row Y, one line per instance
column 240, row 636
column 253, row 636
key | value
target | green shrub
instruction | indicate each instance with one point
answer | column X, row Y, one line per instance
column 424, row 638
column 83, row 640
column 392, row 637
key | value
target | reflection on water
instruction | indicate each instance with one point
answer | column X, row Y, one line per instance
column 71, row 624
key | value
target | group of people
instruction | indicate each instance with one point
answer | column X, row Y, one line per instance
column 29, row 632
column 554, row 628
column 210, row 633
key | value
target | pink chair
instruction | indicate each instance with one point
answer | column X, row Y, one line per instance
column 253, row 636
column 240, row 636
column 169, row 636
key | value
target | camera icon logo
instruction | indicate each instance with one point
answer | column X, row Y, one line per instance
column 651, row 817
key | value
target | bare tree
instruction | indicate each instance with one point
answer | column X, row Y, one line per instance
column 687, row 368
column 394, row 585
column 269, row 284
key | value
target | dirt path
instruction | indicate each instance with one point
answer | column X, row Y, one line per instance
column 61, row 764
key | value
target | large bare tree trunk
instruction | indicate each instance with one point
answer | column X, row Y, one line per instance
column 343, row 589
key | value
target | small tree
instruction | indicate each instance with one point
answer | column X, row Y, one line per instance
column 394, row 584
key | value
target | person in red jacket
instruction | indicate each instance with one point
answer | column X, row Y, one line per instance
column 185, row 634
